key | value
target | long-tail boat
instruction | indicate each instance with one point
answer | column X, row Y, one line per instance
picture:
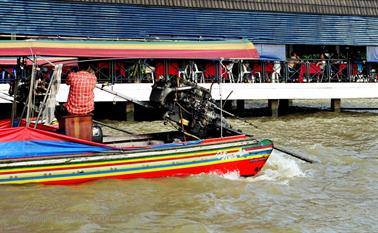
column 203, row 143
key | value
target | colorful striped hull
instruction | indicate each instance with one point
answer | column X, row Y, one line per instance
column 243, row 155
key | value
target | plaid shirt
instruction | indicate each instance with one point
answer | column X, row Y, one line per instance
column 81, row 97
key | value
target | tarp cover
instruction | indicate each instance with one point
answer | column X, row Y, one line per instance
column 224, row 49
column 372, row 53
column 7, row 124
column 22, row 142
column 271, row 52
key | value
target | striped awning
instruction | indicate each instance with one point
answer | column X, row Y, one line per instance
column 12, row 61
column 225, row 49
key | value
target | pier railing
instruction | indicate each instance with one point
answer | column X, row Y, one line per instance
column 303, row 71
column 329, row 70
column 290, row 71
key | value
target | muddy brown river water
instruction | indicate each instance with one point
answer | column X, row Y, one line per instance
column 339, row 193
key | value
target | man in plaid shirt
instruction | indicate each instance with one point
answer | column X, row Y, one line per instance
column 81, row 97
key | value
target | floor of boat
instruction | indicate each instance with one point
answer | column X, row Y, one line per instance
column 140, row 140
column 130, row 141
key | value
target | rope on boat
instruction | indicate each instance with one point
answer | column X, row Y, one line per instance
column 102, row 87
column 285, row 151
column 294, row 155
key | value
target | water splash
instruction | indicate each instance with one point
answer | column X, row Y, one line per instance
column 231, row 175
column 279, row 167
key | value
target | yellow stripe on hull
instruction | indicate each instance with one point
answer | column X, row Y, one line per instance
column 106, row 163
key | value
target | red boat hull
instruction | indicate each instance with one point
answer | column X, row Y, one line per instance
column 243, row 168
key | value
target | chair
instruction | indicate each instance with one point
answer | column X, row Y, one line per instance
column 276, row 74
column 359, row 76
column 183, row 72
column 210, row 71
column 245, row 71
column 120, row 72
column 342, row 72
column 197, row 74
column 334, row 72
column 229, row 73
column 149, row 71
column 296, row 73
column 3, row 75
column 373, row 76
column 257, row 73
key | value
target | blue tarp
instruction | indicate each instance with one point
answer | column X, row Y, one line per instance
column 22, row 142
column 372, row 53
column 271, row 52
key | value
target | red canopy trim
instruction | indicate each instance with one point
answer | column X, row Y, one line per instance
column 227, row 49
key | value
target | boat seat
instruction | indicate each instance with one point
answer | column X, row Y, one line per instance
column 78, row 126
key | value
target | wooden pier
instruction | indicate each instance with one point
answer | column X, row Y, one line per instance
column 278, row 95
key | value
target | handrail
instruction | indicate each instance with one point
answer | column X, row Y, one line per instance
column 305, row 70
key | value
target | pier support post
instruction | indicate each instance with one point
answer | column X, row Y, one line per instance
column 130, row 110
column 284, row 105
column 274, row 106
column 240, row 105
column 336, row 105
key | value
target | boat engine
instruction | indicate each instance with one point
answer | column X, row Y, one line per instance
column 190, row 106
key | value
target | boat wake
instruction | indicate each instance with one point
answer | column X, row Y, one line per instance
column 231, row 176
column 279, row 167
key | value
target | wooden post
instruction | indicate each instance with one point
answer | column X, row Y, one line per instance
column 336, row 105
column 19, row 73
column 274, row 106
column 130, row 111
column 284, row 105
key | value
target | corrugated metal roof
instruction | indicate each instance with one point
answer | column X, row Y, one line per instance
column 331, row 7
column 97, row 20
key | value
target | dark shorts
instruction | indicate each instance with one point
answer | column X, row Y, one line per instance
column 60, row 111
